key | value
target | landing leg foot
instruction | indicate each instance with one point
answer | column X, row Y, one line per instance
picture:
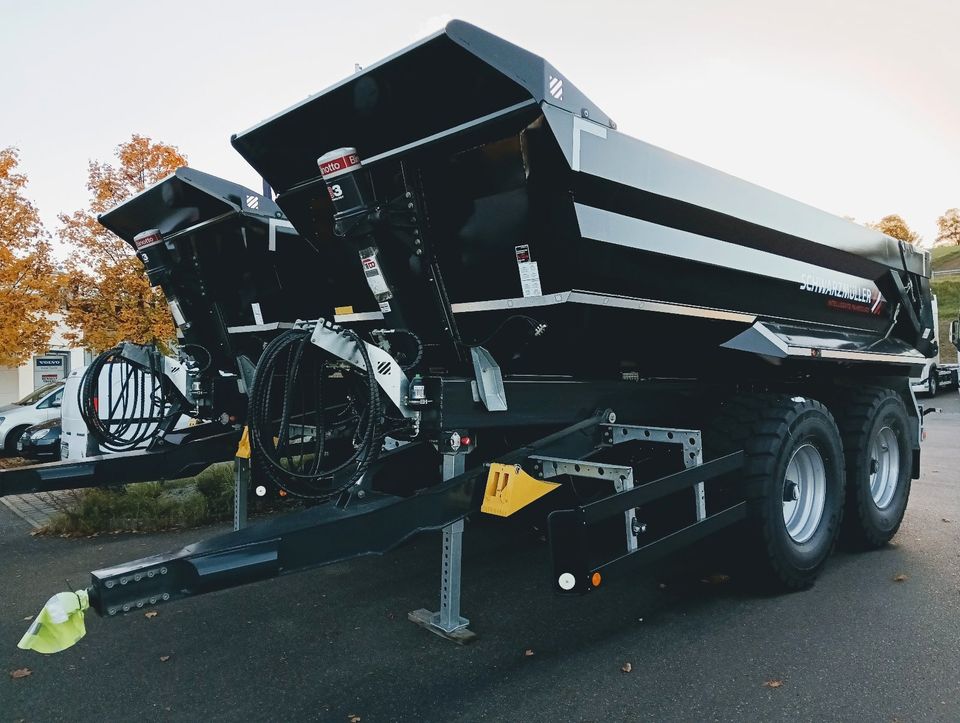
column 429, row 621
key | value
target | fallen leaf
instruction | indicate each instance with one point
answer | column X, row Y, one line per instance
column 164, row 658
column 20, row 673
column 150, row 614
column 716, row 579
column 946, row 519
column 527, row 653
column 353, row 718
column 773, row 683
column 626, row 667
column 899, row 577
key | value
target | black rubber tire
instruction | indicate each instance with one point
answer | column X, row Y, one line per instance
column 865, row 525
column 10, row 443
column 933, row 382
column 770, row 428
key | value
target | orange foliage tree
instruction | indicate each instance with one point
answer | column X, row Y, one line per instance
column 109, row 299
column 28, row 277
column 894, row 225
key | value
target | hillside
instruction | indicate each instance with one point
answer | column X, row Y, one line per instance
column 945, row 258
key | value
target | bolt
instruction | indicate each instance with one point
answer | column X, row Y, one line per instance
column 611, row 418
column 791, row 491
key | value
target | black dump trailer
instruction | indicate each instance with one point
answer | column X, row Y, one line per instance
column 511, row 308
column 224, row 257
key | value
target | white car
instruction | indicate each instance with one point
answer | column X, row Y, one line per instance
column 40, row 405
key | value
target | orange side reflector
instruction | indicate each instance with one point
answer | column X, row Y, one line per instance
column 595, row 579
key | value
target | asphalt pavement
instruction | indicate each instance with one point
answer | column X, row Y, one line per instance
column 334, row 643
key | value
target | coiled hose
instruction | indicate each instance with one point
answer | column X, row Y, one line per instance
column 133, row 410
column 283, row 372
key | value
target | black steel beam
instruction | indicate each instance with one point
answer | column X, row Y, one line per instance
column 674, row 541
column 170, row 461
column 658, row 488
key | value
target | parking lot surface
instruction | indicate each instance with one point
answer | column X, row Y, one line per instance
column 335, row 642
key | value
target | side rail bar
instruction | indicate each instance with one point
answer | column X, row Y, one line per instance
column 575, row 569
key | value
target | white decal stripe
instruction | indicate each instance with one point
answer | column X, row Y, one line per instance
column 581, row 125
column 276, row 223
column 615, row 228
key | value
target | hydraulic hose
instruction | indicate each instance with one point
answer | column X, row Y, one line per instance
column 135, row 403
column 282, row 376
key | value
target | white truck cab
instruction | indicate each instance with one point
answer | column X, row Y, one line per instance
column 934, row 374
column 41, row 405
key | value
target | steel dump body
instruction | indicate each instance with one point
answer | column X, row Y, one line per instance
column 228, row 259
column 512, row 164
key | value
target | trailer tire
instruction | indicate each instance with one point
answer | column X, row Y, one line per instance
column 787, row 542
column 874, row 429
column 933, row 382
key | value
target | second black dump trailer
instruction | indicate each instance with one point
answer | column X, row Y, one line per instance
column 499, row 302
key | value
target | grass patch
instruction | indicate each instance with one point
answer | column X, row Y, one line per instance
column 943, row 258
column 149, row 506
column 948, row 301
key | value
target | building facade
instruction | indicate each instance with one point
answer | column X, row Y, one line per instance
column 56, row 363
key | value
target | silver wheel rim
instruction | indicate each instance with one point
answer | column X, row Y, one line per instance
column 884, row 467
column 804, row 493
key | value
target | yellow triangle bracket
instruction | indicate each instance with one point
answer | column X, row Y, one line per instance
column 509, row 489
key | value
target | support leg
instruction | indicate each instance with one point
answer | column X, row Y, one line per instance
column 447, row 622
column 241, row 489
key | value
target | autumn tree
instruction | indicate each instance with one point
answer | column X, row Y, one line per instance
column 948, row 227
column 894, row 225
column 109, row 298
column 28, row 277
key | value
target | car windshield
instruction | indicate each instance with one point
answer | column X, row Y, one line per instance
column 39, row 393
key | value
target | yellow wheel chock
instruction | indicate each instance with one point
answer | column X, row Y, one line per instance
column 509, row 489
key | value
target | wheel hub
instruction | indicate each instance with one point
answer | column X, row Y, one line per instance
column 804, row 493
column 884, row 467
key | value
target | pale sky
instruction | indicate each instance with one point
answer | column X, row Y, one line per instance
column 852, row 105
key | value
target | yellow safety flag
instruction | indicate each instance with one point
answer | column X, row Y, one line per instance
column 59, row 625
